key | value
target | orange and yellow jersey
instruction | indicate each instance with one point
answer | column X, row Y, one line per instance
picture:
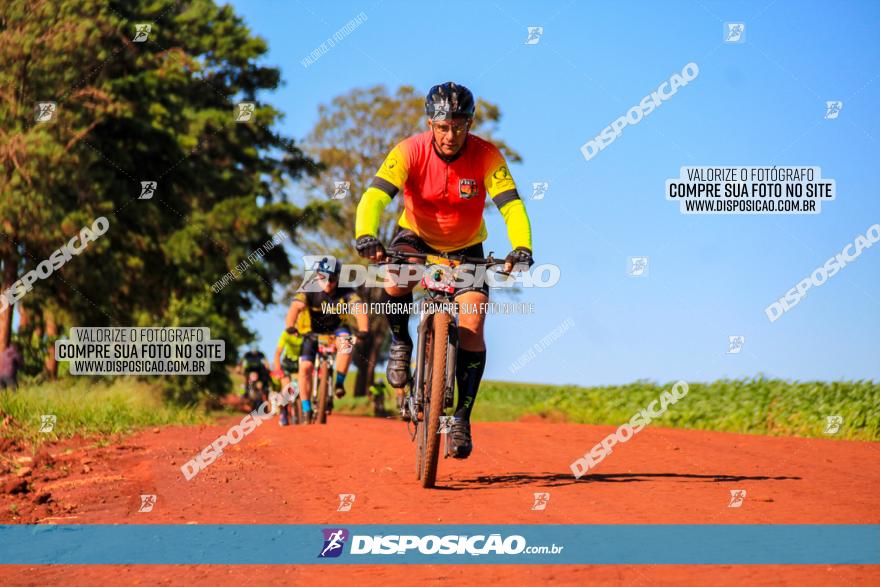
column 444, row 199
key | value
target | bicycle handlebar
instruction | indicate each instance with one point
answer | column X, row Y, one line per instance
column 403, row 255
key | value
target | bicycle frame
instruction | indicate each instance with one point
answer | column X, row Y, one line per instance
column 439, row 300
column 419, row 377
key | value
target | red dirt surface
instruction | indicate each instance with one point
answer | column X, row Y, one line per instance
column 294, row 476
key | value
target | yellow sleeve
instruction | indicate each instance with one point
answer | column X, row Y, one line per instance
column 369, row 212
column 389, row 180
column 519, row 230
column 502, row 189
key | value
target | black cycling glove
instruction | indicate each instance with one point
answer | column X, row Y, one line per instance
column 369, row 246
column 518, row 257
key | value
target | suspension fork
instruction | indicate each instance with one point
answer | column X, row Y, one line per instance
column 425, row 324
column 451, row 361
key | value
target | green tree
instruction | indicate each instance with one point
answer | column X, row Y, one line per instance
column 159, row 110
column 353, row 135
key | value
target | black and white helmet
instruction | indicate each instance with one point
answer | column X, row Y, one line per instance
column 448, row 101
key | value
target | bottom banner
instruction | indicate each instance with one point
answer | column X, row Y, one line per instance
column 440, row 544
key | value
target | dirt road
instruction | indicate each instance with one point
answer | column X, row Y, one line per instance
column 294, row 475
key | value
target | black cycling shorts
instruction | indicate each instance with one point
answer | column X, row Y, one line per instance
column 310, row 343
column 406, row 240
column 289, row 366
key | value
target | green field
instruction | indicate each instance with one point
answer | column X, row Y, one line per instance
column 756, row 406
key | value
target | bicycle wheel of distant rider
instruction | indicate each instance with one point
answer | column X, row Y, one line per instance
column 323, row 393
column 296, row 408
column 440, row 346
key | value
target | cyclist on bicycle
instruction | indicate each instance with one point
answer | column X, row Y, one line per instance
column 323, row 307
column 254, row 361
column 287, row 361
column 445, row 175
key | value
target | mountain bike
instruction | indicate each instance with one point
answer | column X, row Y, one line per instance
column 256, row 392
column 431, row 389
column 325, row 372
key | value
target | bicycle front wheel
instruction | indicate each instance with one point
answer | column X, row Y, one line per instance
column 435, row 402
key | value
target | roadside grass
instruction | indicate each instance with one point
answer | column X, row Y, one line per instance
column 84, row 407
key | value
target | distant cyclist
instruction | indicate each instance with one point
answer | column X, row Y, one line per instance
column 445, row 176
column 287, row 362
column 255, row 361
column 325, row 307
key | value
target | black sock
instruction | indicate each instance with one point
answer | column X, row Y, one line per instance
column 468, row 372
column 398, row 318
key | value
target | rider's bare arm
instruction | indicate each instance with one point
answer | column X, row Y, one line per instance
column 296, row 307
column 278, row 359
column 360, row 317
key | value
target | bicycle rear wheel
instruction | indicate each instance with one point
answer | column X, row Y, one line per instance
column 437, row 390
column 296, row 408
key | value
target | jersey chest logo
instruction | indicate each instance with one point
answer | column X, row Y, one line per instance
column 467, row 188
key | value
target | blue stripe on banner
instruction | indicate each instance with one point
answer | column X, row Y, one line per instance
column 440, row 544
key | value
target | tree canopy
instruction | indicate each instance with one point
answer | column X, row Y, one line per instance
column 159, row 109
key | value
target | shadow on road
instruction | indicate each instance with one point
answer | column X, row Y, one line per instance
column 559, row 479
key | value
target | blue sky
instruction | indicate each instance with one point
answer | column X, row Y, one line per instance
column 758, row 103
